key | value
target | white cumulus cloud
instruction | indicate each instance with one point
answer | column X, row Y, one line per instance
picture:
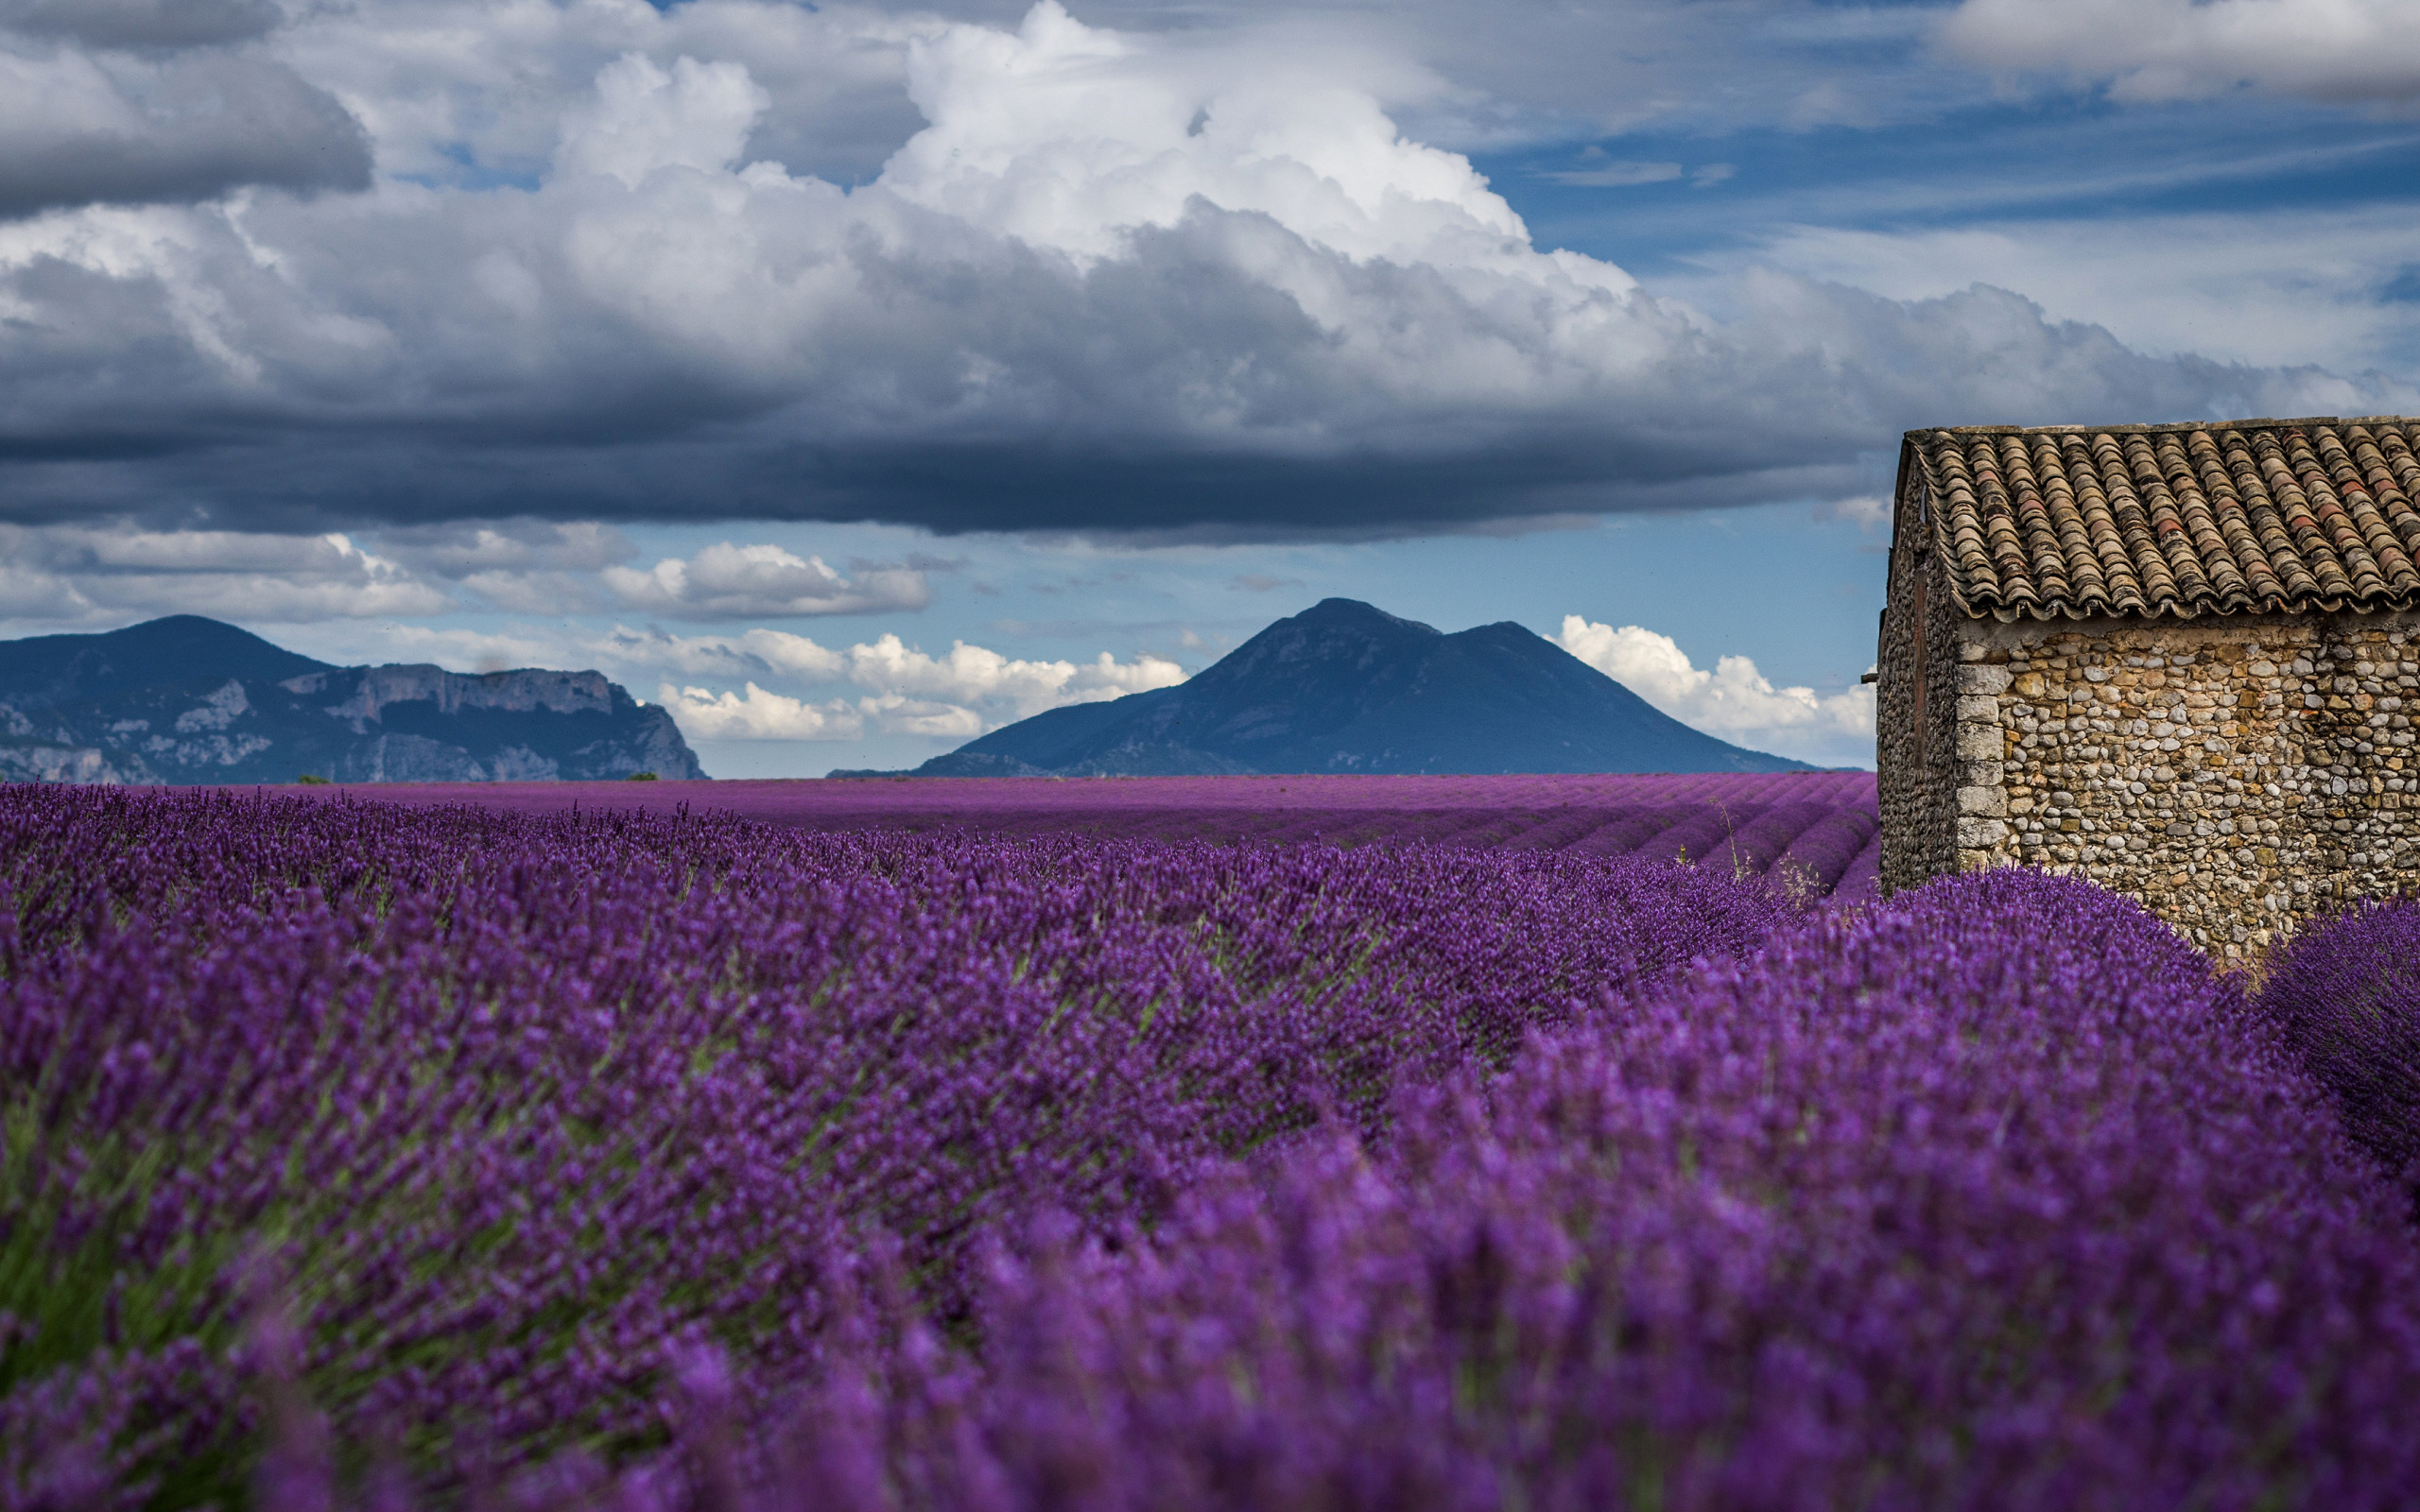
column 974, row 675
column 757, row 715
column 727, row 582
column 1732, row 700
column 905, row 691
column 897, row 715
column 1066, row 136
column 694, row 116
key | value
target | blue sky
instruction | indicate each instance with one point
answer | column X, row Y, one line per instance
column 855, row 379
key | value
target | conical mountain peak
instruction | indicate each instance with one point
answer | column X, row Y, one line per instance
column 1344, row 686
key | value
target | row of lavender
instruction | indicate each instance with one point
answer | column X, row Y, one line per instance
column 663, row 1162
column 1817, row 828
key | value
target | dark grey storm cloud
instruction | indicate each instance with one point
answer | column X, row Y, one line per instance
column 159, row 102
column 1173, row 290
column 1010, row 393
column 140, row 24
column 188, row 128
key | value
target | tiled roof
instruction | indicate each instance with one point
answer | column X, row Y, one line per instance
column 2237, row 517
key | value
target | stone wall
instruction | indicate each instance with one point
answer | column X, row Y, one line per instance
column 1917, row 766
column 2239, row 774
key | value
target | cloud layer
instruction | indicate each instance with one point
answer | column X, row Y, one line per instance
column 71, row 575
column 140, row 24
column 2241, row 286
column 1116, row 282
column 2336, row 51
column 77, row 576
column 761, row 683
column 959, row 695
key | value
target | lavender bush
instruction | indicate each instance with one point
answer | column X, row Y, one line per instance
column 1990, row 1198
column 1983, row 1201
column 2345, row 998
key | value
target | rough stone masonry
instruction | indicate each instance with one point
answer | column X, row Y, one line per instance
column 2174, row 659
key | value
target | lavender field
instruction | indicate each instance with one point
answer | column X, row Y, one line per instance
column 1820, row 828
column 366, row 1153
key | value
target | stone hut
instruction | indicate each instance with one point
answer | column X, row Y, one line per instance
column 2172, row 659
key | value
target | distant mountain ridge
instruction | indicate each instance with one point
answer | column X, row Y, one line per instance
column 187, row 700
column 1346, row 687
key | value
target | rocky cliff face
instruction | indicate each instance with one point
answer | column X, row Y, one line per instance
column 193, row 701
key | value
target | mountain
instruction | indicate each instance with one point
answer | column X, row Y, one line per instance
column 190, row 701
column 1343, row 687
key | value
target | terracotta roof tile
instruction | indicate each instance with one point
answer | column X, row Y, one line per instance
column 2250, row 516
